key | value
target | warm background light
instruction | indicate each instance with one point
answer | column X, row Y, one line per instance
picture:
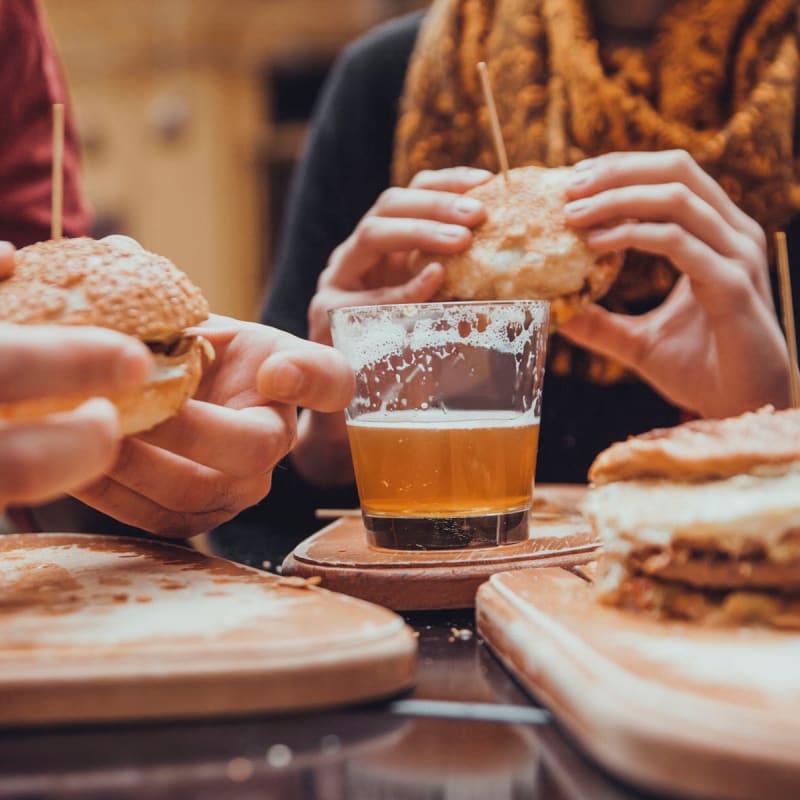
column 191, row 114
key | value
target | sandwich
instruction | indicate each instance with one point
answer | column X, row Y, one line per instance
column 701, row 522
column 88, row 282
column 525, row 250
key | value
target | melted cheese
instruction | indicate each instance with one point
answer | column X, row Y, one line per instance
column 731, row 512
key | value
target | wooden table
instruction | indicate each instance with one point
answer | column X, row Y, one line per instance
column 385, row 750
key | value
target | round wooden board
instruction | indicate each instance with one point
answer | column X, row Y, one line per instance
column 677, row 708
column 107, row 628
column 407, row 580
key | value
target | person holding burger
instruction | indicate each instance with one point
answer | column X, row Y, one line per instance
column 212, row 458
column 677, row 118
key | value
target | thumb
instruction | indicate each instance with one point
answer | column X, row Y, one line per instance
column 614, row 335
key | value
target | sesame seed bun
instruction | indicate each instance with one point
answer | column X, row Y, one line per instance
column 88, row 282
column 525, row 250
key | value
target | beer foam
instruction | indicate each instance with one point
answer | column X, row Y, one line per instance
column 367, row 336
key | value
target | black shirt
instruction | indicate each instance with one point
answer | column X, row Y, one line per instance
column 345, row 167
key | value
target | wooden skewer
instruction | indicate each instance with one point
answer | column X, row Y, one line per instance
column 494, row 120
column 336, row 513
column 785, row 283
column 57, row 198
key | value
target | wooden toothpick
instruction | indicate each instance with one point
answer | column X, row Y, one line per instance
column 785, row 283
column 57, row 198
column 494, row 120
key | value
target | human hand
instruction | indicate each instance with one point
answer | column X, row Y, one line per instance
column 371, row 266
column 714, row 345
column 43, row 459
column 215, row 457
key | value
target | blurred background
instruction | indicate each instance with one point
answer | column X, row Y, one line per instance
column 192, row 114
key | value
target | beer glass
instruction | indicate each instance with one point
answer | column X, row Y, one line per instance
column 444, row 423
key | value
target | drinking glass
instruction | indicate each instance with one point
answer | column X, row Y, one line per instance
column 444, row 423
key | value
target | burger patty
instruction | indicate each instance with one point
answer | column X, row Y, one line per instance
column 673, row 600
column 713, row 569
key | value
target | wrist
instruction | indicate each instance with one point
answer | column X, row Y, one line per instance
column 322, row 453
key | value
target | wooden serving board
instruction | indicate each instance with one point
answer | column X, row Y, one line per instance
column 674, row 707
column 107, row 628
column 407, row 580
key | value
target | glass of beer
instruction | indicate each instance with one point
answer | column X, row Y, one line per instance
column 444, row 423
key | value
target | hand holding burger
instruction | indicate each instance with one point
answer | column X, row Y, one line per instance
column 215, row 457
column 44, row 458
column 714, row 345
column 196, row 462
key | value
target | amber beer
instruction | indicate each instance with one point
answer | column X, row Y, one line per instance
column 436, row 464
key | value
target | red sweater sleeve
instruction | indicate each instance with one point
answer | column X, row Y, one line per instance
column 30, row 82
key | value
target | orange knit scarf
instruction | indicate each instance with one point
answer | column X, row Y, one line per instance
column 719, row 78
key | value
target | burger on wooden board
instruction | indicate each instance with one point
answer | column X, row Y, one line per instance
column 87, row 282
column 701, row 522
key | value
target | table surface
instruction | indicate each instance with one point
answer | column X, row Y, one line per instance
column 467, row 731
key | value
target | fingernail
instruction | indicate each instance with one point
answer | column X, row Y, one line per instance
column 431, row 272
column 579, row 179
column 467, row 205
column 586, row 164
column 576, row 206
column 286, row 381
column 6, row 249
column 595, row 235
column 477, row 172
column 450, row 232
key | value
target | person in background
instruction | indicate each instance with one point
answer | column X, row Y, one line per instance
column 201, row 467
column 681, row 116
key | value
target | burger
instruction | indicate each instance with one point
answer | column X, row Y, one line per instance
column 701, row 522
column 525, row 250
column 88, row 282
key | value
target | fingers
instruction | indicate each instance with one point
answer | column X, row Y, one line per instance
column 720, row 285
column 429, row 204
column 42, row 460
column 419, row 289
column 671, row 202
column 451, row 179
column 7, row 251
column 615, row 170
column 307, row 374
column 49, row 360
column 376, row 237
column 165, row 493
column 429, row 215
column 239, row 443
column 133, row 508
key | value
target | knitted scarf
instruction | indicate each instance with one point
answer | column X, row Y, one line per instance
column 718, row 78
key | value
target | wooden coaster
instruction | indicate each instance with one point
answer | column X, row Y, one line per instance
column 677, row 708
column 108, row 628
column 408, row 580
